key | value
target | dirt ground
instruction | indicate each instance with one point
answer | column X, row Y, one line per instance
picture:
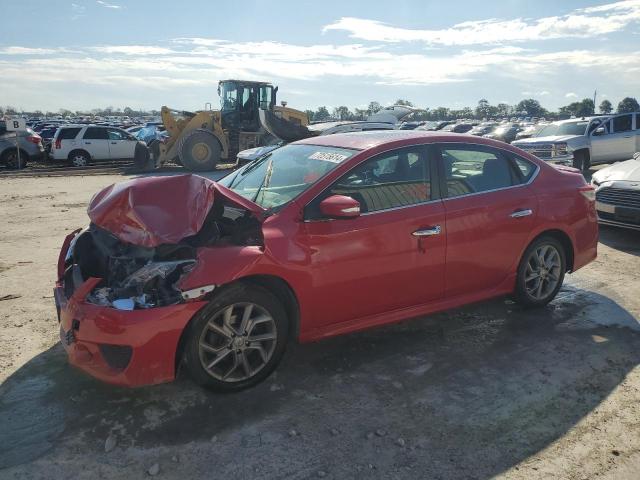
column 485, row 391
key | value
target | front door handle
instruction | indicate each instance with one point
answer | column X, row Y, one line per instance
column 87, row 143
column 525, row 212
column 114, row 143
column 427, row 232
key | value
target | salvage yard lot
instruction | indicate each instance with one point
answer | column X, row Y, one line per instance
column 487, row 390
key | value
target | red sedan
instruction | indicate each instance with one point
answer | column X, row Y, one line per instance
column 321, row 237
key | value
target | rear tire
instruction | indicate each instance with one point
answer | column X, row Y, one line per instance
column 199, row 150
column 10, row 159
column 541, row 272
column 237, row 340
column 79, row 158
column 142, row 161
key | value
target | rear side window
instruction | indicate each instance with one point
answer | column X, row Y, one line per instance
column 94, row 133
column 475, row 169
column 68, row 133
column 622, row 123
column 525, row 167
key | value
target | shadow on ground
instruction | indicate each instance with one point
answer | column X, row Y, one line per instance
column 621, row 239
column 471, row 392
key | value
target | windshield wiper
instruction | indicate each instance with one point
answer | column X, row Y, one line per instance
column 265, row 181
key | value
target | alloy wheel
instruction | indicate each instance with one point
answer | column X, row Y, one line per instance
column 237, row 342
column 543, row 272
column 79, row 161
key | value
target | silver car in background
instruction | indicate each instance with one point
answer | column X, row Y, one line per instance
column 582, row 142
column 618, row 194
column 29, row 142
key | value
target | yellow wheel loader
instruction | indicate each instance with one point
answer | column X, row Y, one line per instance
column 201, row 140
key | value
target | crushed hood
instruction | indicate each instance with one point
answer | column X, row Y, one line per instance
column 628, row 170
column 152, row 211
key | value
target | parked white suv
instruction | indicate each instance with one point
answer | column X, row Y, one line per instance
column 81, row 144
column 586, row 141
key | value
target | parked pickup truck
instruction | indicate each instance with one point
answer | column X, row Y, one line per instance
column 582, row 142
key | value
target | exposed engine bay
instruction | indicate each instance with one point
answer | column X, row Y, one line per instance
column 139, row 277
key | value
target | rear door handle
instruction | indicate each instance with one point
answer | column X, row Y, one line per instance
column 114, row 143
column 427, row 232
column 525, row 212
column 87, row 143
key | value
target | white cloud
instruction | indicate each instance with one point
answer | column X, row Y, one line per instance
column 109, row 5
column 571, row 95
column 26, row 51
column 134, row 50
column 190, row 60
column 587, row 22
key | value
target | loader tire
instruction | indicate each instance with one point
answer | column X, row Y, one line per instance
column 199, row 150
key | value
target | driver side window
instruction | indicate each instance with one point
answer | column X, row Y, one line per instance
column 395, row 179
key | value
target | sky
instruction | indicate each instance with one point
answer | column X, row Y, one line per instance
column 143, row 54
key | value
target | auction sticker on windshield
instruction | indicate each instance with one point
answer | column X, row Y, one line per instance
column 328, row 157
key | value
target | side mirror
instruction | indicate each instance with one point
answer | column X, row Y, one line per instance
column 340, row 206
column 599, row 131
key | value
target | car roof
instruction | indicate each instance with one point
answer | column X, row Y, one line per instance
column 582, row 119
column 374, row 138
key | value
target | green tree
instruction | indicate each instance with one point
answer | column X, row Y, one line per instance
column 321, row 114
column 360, row 114
column 606, row 107
column 503, row 110
column 628, row 104
column 310, row 115
column 587, row 107
column 374, row 107
column 342, row 113
column 440, row 113
column 532, row 107
column 579, row 109
column 406, row 103
column 483, row 109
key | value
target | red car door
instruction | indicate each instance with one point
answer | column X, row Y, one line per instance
column 490, row 212
column 392, row 255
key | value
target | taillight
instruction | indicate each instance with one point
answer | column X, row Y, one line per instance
column 58, row 143
column 34, row 139
column 588, row 192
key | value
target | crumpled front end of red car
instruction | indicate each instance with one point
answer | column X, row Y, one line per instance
column 118, row 297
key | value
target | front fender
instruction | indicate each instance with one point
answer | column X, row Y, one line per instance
column 220, row 265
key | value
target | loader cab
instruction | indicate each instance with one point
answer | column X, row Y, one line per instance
column 240, row 101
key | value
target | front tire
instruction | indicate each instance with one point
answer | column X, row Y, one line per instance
column 541, row 272
column 237, row 340
column 199, row 150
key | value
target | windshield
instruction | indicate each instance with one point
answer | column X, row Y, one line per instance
column 228, row 96
column 283, row 174
column 570, row 128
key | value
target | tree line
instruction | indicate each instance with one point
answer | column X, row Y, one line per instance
column 101, row 112
column 528, row 107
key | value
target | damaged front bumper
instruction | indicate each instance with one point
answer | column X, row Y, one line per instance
column 122, row 347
